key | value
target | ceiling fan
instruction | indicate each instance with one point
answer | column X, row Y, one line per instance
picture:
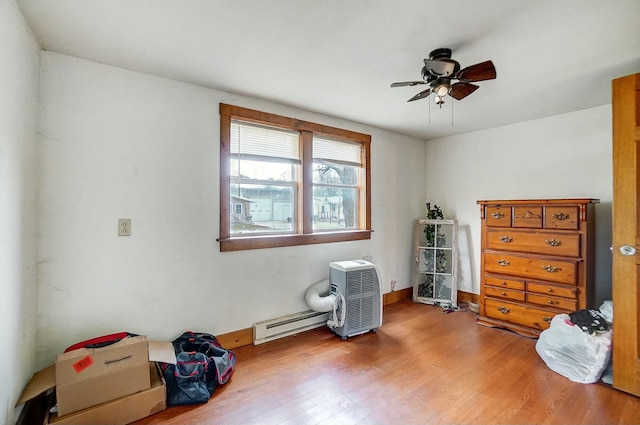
column 441, row 73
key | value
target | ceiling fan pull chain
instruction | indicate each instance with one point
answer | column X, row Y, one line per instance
column 451, row 114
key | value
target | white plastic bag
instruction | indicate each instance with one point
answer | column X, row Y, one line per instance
column 606, row 309
column 573, row 353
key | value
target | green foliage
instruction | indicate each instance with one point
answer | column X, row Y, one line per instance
column 434, row 213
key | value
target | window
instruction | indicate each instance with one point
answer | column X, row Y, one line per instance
column 336, row 169
column 264, row 169
column 287, row 182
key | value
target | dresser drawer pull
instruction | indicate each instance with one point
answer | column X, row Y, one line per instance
column 547, row 319
column 549, row 301
column 549, row 290
column 503, row 310
column 561, row 216
column 550, row 269
column 503, row 293
column 506, row 239
column 503, row 263
column 497, row 215
column 553, row 242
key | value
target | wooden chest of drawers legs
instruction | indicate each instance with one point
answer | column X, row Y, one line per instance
column 537, row 261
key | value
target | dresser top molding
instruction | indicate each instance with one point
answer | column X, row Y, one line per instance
column 539, row 201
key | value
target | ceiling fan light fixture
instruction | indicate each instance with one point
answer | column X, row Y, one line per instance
column 442, row 90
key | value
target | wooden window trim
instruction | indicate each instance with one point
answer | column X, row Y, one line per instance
column 305, row 235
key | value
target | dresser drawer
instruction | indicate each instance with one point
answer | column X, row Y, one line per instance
column 561, row 218
column 532, row 317
column 492, row 291
column 566, row 291
column 556, row 302
column 518, row 285
column 498, row 216
column 564, row 245
column 527, row 217
column 537, row 268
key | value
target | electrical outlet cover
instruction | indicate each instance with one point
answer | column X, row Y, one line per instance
column 124, row 227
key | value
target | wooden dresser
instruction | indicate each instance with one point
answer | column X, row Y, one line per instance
column 536, row 262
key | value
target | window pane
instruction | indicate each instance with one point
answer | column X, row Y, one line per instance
column 267, row 209
column 335, row 174
column 334, row 208
column 263, row 170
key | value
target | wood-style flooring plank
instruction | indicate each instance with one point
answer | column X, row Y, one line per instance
column 421, row 367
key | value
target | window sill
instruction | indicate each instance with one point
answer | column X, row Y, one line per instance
column 261, row 242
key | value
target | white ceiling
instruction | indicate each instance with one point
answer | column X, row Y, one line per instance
column 338, row 57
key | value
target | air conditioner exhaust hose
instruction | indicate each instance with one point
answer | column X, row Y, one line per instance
column 326, row 303
column 318, row 302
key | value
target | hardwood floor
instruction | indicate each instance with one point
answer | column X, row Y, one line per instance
column 421, row 367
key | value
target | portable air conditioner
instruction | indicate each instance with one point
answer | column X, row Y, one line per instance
column 357, row 284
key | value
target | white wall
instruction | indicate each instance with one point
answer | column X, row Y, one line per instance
column 19, row 56
column 119, row 144
column 564, row 156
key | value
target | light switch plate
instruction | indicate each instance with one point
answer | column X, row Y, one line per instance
column 124, row 227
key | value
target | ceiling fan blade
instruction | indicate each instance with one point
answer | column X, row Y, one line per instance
column 461, row 90
column 478, row 72
column 440, row 67
column 407, row 83
column 420, row 95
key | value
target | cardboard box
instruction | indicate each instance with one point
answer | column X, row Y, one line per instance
column 88, row 377
column 123, row 410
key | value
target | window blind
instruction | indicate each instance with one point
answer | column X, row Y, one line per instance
column 336, row 151
column 253, row 140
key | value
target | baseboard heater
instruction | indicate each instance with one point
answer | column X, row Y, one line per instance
column 288, row 325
